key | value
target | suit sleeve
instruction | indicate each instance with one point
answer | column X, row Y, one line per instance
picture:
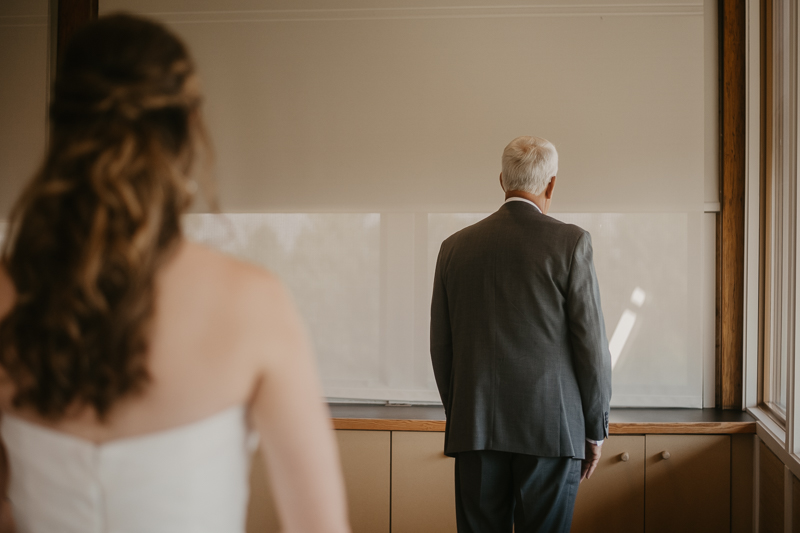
column 441, row 335
column 591, row 357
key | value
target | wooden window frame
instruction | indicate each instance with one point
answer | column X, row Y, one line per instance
column 731, row 219
column 71, row 15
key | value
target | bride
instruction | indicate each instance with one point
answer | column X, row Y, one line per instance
column 134, row 365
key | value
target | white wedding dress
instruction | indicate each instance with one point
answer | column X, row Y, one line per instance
column 189, row 479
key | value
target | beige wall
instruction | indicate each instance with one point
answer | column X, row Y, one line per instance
column 371, row 106
column 366, row 106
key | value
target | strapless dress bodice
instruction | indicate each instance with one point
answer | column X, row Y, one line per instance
column 193, row 478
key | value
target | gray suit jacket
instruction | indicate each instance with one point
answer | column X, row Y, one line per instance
column 518, row 342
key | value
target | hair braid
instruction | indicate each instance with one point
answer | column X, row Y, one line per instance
column 100, row 217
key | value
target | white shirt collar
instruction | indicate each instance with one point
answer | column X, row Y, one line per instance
column 518, row 199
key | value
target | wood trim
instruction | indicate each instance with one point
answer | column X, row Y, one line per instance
column 382, row 424
column 730, row 242
column 615, row 428
column 678, row 428
column 72, row 14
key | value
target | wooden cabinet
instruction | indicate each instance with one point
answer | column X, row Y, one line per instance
column 653, row 483
column 423, row 494
column 743, row 487
column 669, row 483
column 366, row 465
column 771, row 488
column 613, row 498
column 261, row 514
column 401, row 481
column 688, row 483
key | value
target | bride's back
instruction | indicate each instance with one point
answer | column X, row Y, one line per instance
column 134, row 366
column 216, row 324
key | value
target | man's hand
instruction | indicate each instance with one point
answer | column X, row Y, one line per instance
column 588, row 465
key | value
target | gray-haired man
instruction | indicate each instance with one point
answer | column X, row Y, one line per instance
column 520, row 355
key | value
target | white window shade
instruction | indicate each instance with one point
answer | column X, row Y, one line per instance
column 363, row 284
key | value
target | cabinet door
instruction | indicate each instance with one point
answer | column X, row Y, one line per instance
column 366, row 458
column 688, row 484
column 613, row 498
column 261, row 514
column 423, row 485
column 366, row 463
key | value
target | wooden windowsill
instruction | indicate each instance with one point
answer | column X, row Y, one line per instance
column 622, row 421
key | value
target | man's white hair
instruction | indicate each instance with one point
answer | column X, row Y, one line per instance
column 528, row 164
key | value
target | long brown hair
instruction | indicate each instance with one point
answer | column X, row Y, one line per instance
column 100, row 217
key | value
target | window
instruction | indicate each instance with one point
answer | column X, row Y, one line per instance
column 779, row 204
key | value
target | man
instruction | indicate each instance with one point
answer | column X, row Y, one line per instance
column 520, row 355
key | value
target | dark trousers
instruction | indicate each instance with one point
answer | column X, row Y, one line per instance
column 497, row 489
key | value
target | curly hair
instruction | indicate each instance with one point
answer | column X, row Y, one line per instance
column 100, row 217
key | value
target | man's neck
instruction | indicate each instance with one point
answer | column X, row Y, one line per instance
column 538, row 199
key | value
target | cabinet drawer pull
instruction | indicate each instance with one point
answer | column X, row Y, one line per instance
column 624, row 457
column 665, row 455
